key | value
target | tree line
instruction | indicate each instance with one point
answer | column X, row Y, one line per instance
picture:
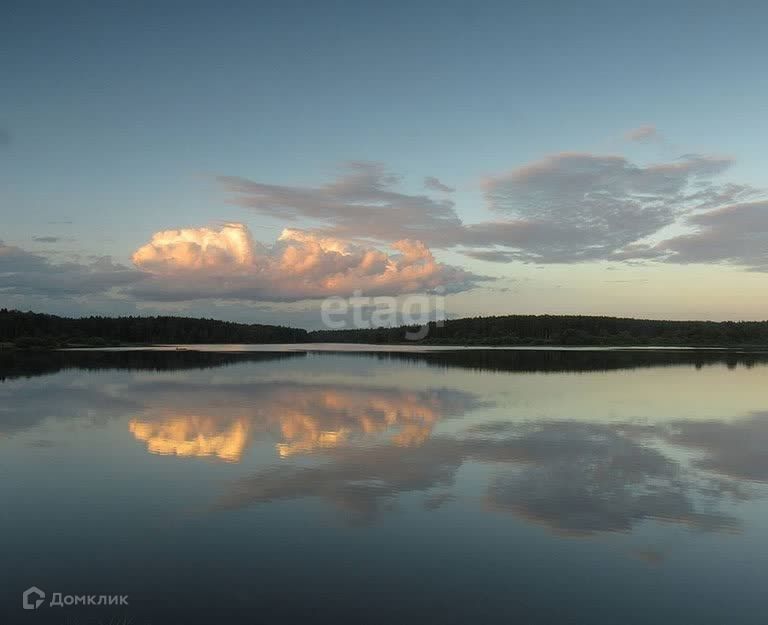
column 543, row 330
column 28, row 329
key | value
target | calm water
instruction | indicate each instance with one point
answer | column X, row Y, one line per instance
column 472, row 486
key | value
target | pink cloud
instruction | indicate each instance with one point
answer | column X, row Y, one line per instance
column 197, row 263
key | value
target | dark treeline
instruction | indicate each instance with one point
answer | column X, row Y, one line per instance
column 564, row 330
column 27, row 329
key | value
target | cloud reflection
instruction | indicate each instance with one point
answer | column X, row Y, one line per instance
column 360, row 447
column 573, row 478
column 192, row 435
column 735, row 448
column 582, row 479
column 222, row 422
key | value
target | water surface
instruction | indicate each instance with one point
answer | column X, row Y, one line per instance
column 441, row 486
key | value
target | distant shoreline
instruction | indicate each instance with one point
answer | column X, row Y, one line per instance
column 371, row 347
column 36, row 331
column 404, row 347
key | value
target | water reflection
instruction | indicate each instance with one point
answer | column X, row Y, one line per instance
column 24, row 408
column 192, row 435
column 16, row 364
column 579, row 360
column 574, row 478
column 737, row 448
column 582, row 479
column 222, row 421
column 30, row 364
column 300, row 426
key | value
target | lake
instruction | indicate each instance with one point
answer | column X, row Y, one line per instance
column 269, row 484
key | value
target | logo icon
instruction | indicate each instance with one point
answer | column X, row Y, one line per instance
column 32, row 598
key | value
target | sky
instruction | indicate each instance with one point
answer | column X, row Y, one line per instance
column 248, row 160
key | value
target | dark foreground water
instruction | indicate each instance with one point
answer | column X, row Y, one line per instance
column 613, row 487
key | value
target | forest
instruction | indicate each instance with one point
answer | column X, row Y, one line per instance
column 35, row 330
column 543, row 330
column 30, row 330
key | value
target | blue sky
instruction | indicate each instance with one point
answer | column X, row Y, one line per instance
column 119, row 118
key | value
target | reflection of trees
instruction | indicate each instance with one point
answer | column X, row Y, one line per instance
column 29, row 364
column 220, row 421
column 14, row 364
column 554, row 360
column 574, row 478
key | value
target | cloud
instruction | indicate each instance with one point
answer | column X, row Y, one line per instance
column 196, row 263
column 430, row 182
column 225, row 263
column 566, row 208
column 26, row 273
column 230, row 247
column 645, row 133
column 362, row 202
column 581, row 207
column 491, row 256
column 736, row 234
